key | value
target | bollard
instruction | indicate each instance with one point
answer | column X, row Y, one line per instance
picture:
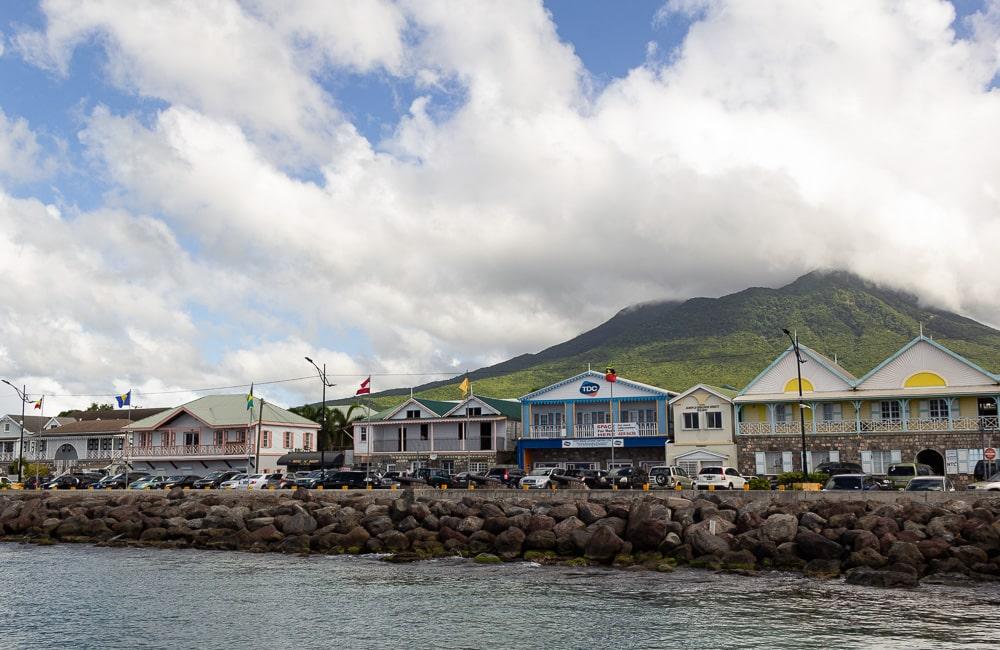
column 678, row 487
column 368, row 487
column 781, row 488
column 472, row 487
column 343, row 487
column 392, row 487
column 444, row 486
column 90, row 487
column 271, row 487
column 524, row 487
column 319, row 487
column 614, row 487
column 645, row 487
column 185, row 488
column 17, row 486
column 205, row 487
column 711, row 488
column 746, row 487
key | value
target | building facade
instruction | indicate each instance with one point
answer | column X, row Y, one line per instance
column 589, row 422
column 454, row 435
column 704, row 429
column 10, row 434
column 217, row 432
column 924, row 404
column 90, row 444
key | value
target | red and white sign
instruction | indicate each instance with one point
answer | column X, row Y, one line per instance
column 990, row 453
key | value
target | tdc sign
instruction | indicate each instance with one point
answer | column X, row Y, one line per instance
column 589, row 388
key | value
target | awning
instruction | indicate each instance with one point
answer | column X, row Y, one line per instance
column 312, row 459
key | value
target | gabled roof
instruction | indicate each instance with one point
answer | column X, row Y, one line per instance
column 594, row 374
column 722, row 393
column 83, row 427
column 822, row 360
column 510, row 409
column 921, row 338
column 225, row 410
column 34, row 423
column 437, row 407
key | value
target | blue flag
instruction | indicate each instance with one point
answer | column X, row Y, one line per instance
column 125, row 399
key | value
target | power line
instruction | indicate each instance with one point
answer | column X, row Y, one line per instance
column 256, row 383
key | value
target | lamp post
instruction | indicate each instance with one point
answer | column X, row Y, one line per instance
column 326, row 384
column 802, row 412
column 23, row 394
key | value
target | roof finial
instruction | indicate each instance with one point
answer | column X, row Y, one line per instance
column 588, row 367
column 411, row 392
column 835, row 359
column 921, row 330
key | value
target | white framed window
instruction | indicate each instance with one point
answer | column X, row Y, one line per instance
column 782, row 413
column 817, row 458
column 412, row 414
column 713, row 420
column 690, row 420
column 364, row 434
column 771, row 463
column 448, row 465
column 265, row 439
column 288, row 439
column 831, row 413
column 474, row 411
column 889, row 410
column 877, row 461
column 6, row 426
column 479, row 468
column 937, row 409
column 307, row 440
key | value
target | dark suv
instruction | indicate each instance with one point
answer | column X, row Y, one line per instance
column 509, row 476
column 594, row 479
column 834, row 468
column 338, row 480
column 629, row 478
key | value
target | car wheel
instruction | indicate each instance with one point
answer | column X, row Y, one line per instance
column 661, row 480
column 730, row 486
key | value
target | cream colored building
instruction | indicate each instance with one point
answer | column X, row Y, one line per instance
column 703, row 429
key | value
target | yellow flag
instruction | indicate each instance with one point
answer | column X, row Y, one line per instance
column 464, row 386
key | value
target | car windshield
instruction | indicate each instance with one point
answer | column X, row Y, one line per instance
column 179, row 477
column 925, row 485
column 844, row 483
column 901, row 470
column 711, row 470
column 995, row 477
column 541, row 472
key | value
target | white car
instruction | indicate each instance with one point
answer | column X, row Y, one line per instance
column 539, row 478
column 723, row 478
column 991, row 484
column 232, row 483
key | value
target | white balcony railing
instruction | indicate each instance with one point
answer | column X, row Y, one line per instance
column 549, row 431
column 180, row 451
column 588, row 431
column 987, row 423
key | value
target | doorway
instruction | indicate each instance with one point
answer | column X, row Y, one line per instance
column 485, row 436
column 933, row 459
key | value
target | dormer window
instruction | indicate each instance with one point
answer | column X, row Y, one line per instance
column 413, row 414
column 474, row 411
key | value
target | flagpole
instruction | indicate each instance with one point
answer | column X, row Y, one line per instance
column 468, row 424
column 260, row 422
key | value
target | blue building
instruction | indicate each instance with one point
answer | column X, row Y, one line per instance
column 594, row 421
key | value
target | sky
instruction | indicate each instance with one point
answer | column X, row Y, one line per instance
column 200, row 194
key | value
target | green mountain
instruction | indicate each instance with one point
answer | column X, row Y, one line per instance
column 728, row 340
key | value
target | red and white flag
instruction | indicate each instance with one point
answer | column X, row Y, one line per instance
column 365, row 388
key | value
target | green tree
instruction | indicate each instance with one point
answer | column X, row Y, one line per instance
column 335, row 431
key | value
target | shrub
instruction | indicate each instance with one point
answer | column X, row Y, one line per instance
column 788, row 478
column 758, row 483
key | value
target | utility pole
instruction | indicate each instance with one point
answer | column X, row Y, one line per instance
column 802, row 406
column 23, row 394
column 326, row 384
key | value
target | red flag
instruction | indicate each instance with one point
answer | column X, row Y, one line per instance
column 365, row 388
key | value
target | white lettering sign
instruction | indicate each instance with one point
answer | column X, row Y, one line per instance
column 592, row 443
column 617, row 429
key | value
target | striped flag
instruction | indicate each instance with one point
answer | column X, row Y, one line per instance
column 366, row 387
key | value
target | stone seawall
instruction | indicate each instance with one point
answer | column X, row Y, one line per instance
column 884, row 539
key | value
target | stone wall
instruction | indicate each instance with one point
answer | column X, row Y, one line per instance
column 850, row 446
column 870, row 541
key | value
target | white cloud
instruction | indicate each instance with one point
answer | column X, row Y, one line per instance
column 22, row 158
column 536, row 206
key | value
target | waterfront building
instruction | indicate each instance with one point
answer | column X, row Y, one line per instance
column 924, row 404
column 10, row 433
column 87, row 444
column 467, row 434
column 704, row 429
column 588, row 421
column 217, row 432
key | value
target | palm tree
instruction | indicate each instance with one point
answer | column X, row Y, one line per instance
column 335, row 429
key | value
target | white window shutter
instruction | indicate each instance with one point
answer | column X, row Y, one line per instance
column 876, row 411
column 866, row 462
column 834, row 456
column 761, row 463
column 838, row 413
column 925, row 412
column 895, row 456
column 786, row 461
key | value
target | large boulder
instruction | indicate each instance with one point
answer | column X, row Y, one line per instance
column 780, row 528
column 301, row 523
column 564, row 529
column 859, row 539
column 509, row 543
column 648, row 535
column 866, row 557
column 876, row 578
column 604, row 545
column 617, row 524
column 705, row 543
column 541, row 540
column 470, row 525
column 563, row 511
column 589, row 512
column 812, row 546
column 946, row 527
column 377, row 525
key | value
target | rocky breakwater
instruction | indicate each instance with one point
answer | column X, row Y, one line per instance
column 870, row 542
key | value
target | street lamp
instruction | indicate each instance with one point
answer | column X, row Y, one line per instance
column 23, row 394
column 802, row 406
column 326, row 384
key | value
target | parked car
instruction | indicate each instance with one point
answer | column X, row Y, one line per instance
column 157, row 482
column 509, row 476
column 265, row 481
column 899, row 474
column 390, row 479
column 181, row 481
column 215, row 479
column 594, row 479
column 723, row 478
column 833, row 468
column 670, row 476
column 991, row 484
column 860, row 482
column 336, row 480
column 233, row 482
column 144, row 483
column 930, row 484
column 629, row 478
column 67, row 481
column 539, row 478
column 118, row 481
column 33, row 483
column 985, row 469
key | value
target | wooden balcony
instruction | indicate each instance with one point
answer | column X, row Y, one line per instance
column 242, row 449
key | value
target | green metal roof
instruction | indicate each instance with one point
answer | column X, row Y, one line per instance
column 436, row 406
column 226, row 410
column 507, row 408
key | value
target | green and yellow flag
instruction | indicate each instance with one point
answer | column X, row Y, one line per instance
column 250, row 398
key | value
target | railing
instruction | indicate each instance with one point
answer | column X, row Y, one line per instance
column 548, row 431
column 588, row 431
column 7, row 456
column 987, row 423
column 103, row 454
column 445, row 445
column 228, row 449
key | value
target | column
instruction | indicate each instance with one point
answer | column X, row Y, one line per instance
column 812, row 409
column 904, row 412
column 568, row 421
column 661, row 416
column 432, row 437
column 770, row 416
column 952, row 401
column 857, row 415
